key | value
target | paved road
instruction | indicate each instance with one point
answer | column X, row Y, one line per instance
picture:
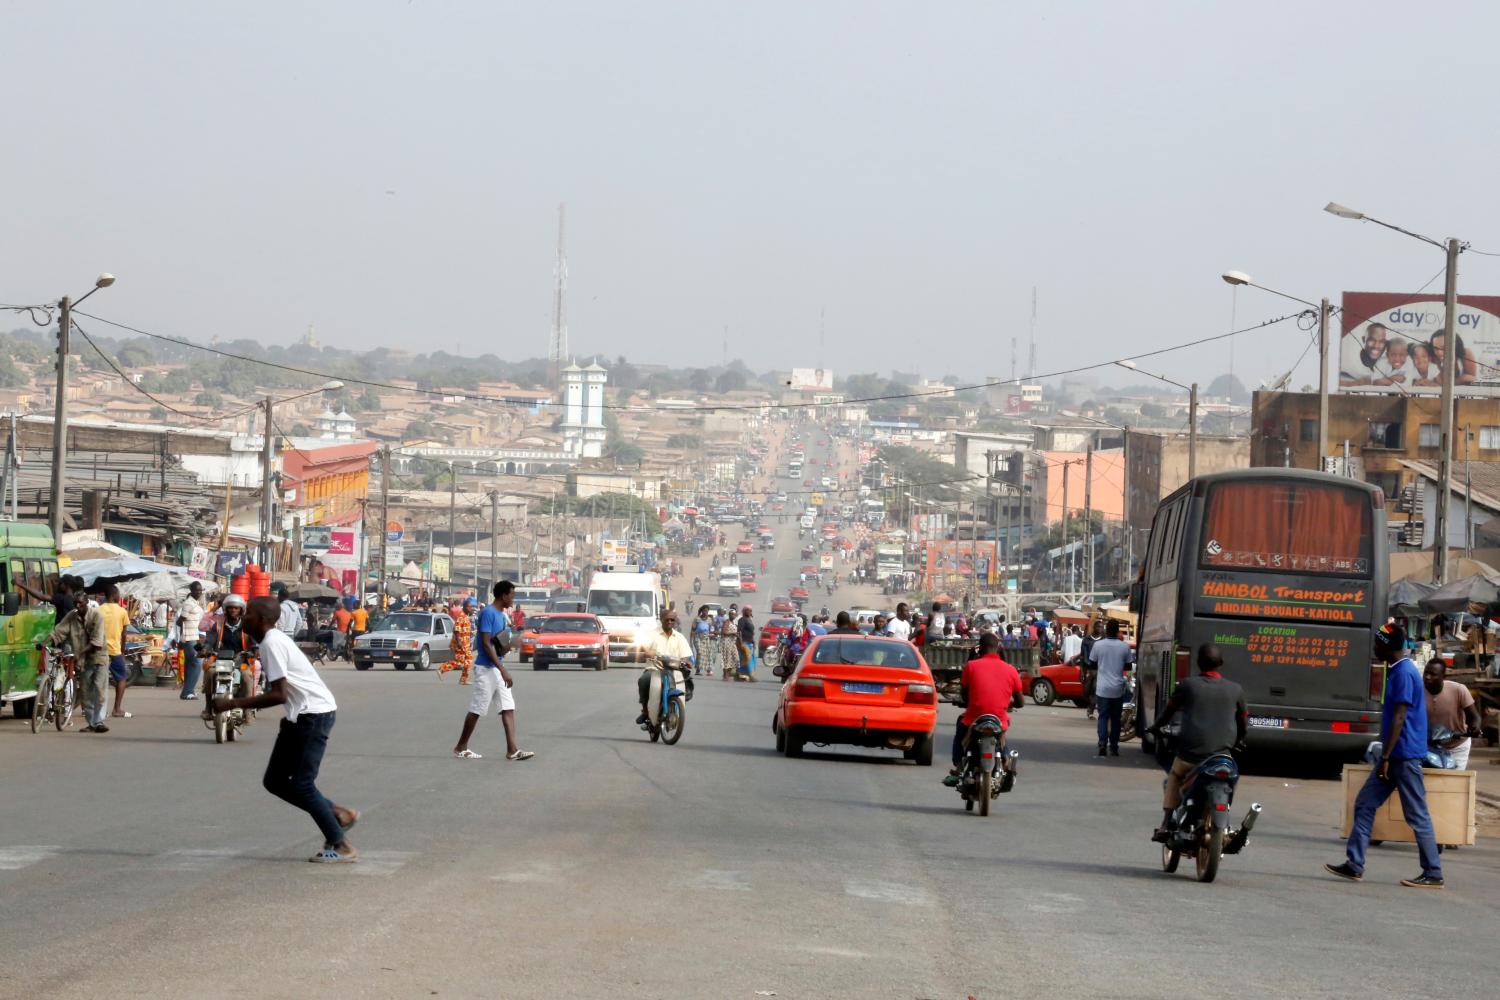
column 149, row 863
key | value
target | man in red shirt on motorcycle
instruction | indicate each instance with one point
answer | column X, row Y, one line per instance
column 989, row 686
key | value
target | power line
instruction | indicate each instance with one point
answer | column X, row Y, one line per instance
column 708, row 408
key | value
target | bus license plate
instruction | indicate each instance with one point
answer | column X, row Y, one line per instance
column 1267, row 722
column 567, row 656
column 853, row 687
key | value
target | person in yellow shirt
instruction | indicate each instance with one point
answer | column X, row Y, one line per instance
column 359, row 623
column 116, row 617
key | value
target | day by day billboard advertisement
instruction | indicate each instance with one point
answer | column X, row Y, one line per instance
column 1393, row 342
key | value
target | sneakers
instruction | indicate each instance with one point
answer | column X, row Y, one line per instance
column 1114, row 751
column 640, row 720
column 1347, row 871
column 1423, row 882
column 1101, row 751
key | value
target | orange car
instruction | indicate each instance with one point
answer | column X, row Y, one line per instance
column 861, row 691
column 529, row 631
column 571, row 640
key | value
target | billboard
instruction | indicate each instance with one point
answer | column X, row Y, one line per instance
column 1393, row 342
column 812, row 378
column 953, row 564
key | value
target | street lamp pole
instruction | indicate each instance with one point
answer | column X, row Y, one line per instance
column 1451, row 248
column 60, row 407
column 1192, row 391
column 1324, row 312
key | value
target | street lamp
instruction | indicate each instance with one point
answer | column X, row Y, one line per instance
column 60, row 406
column 1241, row 278
column 1452, row 248
column 265, row 466
column 1192, row 391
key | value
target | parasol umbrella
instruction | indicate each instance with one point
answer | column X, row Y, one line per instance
column 1473, row 593
column 118, row 568
column 1042, row 604
column 312, row 592
column 1406, row 596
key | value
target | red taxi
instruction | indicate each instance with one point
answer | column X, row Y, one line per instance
column 860, row 691
column 529, row 629
column 571, row 640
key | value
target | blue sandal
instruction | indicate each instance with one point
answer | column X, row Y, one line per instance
column 331, row 856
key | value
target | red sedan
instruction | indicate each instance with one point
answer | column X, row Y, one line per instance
column 1058, row 680
column 744, row 548
column 799, row 594
column 781, row 605
column 772, row 631
column 861, row 691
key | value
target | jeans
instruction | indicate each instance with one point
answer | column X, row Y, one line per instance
column 92, row 679
column 1109, row 720
column 292, row 772
column 1406, row 781
column 190, row 669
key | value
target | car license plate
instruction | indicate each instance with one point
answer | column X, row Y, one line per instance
column 1268, row 722
column 853, row 687
column 567, row 656
column 380, row 652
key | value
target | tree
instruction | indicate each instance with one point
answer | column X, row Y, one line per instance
column 731, row 380
column 625, row 453
column 700, row 380
column 1153, row 410
column 135, row 355
column 209, row 398
column 685, row 441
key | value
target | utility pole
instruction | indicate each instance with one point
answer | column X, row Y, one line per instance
column 60, row 419
column 385, row 516
column 494, row 529
column 452, row 527
column 1066, row 467
column 1445, row 468
column 364, row 544
column 1193, row 431
column 1129, row 525
column 1323, row 312
column 1088, row 517
column 266, row 510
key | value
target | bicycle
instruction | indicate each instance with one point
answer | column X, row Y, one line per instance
column 57, row 691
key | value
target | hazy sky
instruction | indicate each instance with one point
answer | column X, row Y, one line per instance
column 390, row 171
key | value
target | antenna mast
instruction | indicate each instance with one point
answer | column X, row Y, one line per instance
column 557, row 348
column 1031, row 360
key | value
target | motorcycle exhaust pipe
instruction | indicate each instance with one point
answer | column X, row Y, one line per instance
column 1247, row 824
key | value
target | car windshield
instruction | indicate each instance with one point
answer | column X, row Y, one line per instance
column 868, row 653
column 536, row 622
column 781, row 623
column 622, row 603
column 571, row 625
column 406, row 623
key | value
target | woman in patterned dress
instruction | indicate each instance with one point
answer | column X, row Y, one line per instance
column 463, row 642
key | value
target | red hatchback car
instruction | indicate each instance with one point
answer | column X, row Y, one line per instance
column 1058, row 680
column 860, row 691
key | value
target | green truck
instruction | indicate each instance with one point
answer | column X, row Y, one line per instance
column 28, row 557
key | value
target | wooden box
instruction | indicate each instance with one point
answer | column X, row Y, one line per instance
column 1450, row 802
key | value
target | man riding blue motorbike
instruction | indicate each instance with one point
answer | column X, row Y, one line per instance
column 1213, row 723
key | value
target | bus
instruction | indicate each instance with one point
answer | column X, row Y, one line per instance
column 1286, row 571
column 794, row 469
column 27, row 557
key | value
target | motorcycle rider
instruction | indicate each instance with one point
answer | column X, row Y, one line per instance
column 989, row 686
column 229, row 634
column 1213, row 722
column 670, row 643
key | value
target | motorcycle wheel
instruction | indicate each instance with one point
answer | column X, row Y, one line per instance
column 39, row 706
column 983, row 787
column 221, row 724
column 62, row 714
column 672, row 726
column 1209, row 854
column 1169, row 858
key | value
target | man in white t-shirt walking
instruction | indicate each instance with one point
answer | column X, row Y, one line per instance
column 292, row 772
column 900, row 626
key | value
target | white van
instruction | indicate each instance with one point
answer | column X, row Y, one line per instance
column 729, row 581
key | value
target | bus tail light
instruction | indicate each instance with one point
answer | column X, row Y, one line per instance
column 1338, row 727
column 1377, row 681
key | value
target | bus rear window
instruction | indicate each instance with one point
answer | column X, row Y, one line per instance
column 1287, row 527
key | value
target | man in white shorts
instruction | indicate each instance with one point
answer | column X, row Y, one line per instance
column 492, row 682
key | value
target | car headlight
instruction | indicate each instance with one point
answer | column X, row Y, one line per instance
column 409, row 644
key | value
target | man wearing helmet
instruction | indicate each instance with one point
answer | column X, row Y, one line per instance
column 230, row 636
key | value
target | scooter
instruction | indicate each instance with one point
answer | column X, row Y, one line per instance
column 1200, row 826
column 231, row 678
column 988, row 769
column 666, row 705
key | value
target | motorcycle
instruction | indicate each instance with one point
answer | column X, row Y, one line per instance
column 697, row 585
column 1128, row 714
column 1200, row 825
column 666, row 705
column 987, row 769
column 230, row 680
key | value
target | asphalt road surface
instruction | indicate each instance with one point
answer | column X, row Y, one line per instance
column 149, row 862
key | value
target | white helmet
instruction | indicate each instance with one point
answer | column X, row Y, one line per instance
column 234, row 601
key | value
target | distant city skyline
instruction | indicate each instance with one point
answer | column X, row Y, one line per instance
column 899, row 177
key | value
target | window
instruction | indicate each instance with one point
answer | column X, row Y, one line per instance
column 867, row 653
column 1309, row 431
column 1384, row 434
column 1489, row 437
column 1282, row 526
column 1429, row 436
column 1389, row 482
